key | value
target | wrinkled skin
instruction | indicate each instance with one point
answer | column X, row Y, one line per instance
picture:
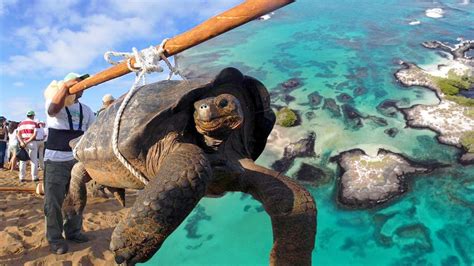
column 212, row 160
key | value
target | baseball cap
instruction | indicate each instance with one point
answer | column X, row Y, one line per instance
column 70, row 76
column 30, row 113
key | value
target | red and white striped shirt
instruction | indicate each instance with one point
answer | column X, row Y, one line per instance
column 26, row 128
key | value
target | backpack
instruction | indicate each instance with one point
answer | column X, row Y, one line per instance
column 22, row 155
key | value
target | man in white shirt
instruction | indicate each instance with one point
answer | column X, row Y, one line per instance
column 40, row 139
column 64, row 124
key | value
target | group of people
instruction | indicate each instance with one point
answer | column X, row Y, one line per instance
column 29, row 135
column 66, row 119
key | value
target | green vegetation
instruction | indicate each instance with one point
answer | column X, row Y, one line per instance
column 454, row 83
column 286, row 117
column 461, row 100
column 467, row 141
column 469, row 113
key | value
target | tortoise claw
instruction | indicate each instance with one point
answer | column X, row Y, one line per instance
column 119, row 194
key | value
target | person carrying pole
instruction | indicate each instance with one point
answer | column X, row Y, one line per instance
column 67, row 119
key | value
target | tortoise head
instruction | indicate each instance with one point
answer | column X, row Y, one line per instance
column 218, row 116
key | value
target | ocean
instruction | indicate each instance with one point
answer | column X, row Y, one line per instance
column 337, row 47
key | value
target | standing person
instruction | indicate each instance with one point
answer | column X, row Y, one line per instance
column 13, row 145
column 26, row 135
column 3, row 139
column 107, row 100
column 40, row 138
column 66, row 120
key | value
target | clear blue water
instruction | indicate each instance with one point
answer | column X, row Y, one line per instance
column 352, row 44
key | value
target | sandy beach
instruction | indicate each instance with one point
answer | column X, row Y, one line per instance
column 22, row 228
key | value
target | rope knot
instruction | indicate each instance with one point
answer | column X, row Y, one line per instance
column 147, row 60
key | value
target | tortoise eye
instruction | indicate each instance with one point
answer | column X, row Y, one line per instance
column 223, row 103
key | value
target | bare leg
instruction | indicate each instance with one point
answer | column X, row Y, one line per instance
column 164, row 203
column 292, row 210
column 13, row 162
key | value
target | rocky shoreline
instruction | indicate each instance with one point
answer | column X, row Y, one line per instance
column 458, row 52
column 301, row 148
column 451, row 118
column 367, row 181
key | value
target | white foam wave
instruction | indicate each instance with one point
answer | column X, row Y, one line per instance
column 434, row 13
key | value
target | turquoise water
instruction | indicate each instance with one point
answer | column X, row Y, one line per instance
column 335, row 47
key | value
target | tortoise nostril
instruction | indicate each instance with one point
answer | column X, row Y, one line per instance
column 204, row 106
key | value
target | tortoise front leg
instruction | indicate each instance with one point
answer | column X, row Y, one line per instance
column 292, row 210
column 161, row 207
column 77, row 196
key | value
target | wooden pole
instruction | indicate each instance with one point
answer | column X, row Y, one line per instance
column 232, row 18
column 18, row 189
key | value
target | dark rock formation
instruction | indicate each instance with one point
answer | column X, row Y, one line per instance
column 379, row 93
column 314, row 99
column 343, row 85
column 378, row 120
column 192, row 225
column 392, row 132
column 359, row 91
column 325, row 75
column 388, row 108
column 331, row 105
column 291, row 84
column 312, row 174
column 302, row 148
column 283, row 90
column 352, row 115
column 287, row 98
column 310, row 115
column 357, row 73
column 344, row 98
column 418, row 232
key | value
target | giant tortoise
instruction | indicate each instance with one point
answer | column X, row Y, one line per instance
column 190, row 139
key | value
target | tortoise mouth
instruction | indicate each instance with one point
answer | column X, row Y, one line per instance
column 230, row 122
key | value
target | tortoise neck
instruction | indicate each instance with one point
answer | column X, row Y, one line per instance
column 158, row 151
column 213, row 143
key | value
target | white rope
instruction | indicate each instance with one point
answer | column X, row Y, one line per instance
column 146, row 61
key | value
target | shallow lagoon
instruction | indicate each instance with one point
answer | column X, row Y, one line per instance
column 334, row 48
